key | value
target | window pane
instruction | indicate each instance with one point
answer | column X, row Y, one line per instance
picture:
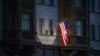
column 99, row 33
column 66, row 2
column 79, row 3
column 51, row 27
column 50, row 52
column 40, row 1
column 79, row 28
column 41, row 52
column 49, row 2
column 25, row 22
column 96, row 5
column 92, row 32
column 41, row 25
column 91, row 2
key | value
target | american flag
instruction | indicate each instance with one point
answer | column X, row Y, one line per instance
column 64, row 31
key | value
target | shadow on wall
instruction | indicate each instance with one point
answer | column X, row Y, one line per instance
column 37, row 39
column 55, row 41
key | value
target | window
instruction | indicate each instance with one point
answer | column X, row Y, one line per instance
column 92, row 4
column 12, row 20
column 41, row 52
column 79, row 3
column 99, row 5
column 92, row 32
column 46, row 2
column 26, row 5
column 66, row 2
column 99, row 33
column 50, row 52
column 41, row 26
column 51, row 27
column 40, row 1
column 51, row 2
column 92, row 54
column 25, row 22
column 79, row 28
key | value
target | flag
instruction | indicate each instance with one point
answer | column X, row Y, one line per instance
column 64, row 31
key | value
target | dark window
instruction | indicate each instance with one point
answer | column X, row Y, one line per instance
column 12, row 20
column 26, row 5
column 80, row 3
column 51, row 27
column 92, row 54
column 40, row 1
column 79, row 28
column 25, row 22
column 53, row 53
column 46, row 2
column 66, row 2
column 51, row 2
column 50, row 52
column 99, row 5
column 92, row 5
column 41, row 52
column 92, row 32
column 41, row 26
column 99, row 33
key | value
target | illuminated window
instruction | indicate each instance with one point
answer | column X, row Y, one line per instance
column 25, row 22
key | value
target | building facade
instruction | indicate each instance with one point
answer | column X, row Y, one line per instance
column 17, row 28
column 76, row 12
column 47, row 21
column 30, row 27
column 94, row 16
column 46, row 27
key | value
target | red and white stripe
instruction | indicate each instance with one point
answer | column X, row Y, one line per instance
column 64, row 32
